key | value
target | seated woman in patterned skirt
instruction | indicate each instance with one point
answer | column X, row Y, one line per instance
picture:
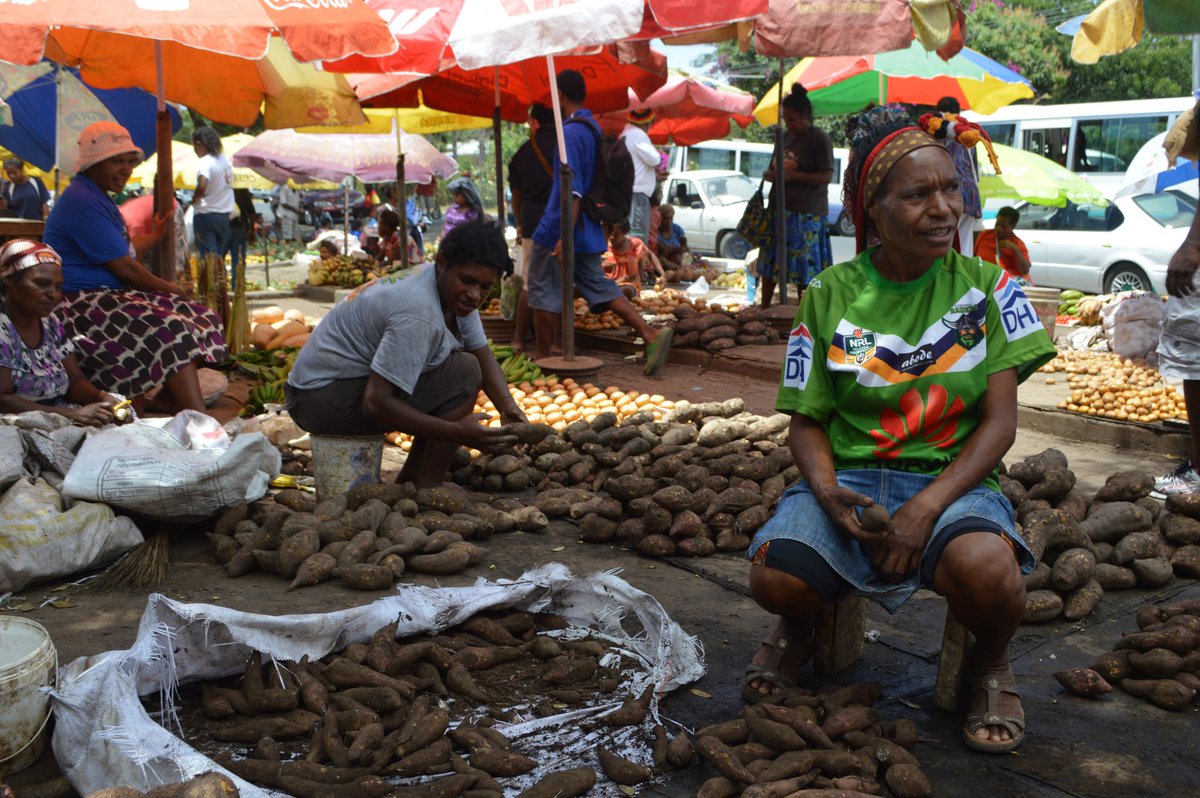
column 134, row 331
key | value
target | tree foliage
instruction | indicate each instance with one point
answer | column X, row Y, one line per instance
column 1022, row 40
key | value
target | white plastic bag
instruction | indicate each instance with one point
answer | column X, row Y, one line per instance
column 184, row 468
column 698, row 288
column 104, row 737
column 40, row 541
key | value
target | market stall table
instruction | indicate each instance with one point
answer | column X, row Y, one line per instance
column 21, row 228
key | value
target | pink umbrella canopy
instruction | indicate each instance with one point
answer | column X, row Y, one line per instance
column 688, row 109
column 282, row 154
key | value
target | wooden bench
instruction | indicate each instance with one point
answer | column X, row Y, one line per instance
column 838, row 643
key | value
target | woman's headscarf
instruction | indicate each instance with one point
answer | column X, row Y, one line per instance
column 21, row 254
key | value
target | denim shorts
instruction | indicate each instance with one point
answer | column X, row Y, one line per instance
column 801, row 518
column 544, row 281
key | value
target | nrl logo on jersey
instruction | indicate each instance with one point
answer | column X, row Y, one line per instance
column 859, row 347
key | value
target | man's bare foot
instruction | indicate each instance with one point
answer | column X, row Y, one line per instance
column 996, row 720
column 779, row 660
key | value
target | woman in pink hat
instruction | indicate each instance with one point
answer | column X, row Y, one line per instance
column 38, row 369
column 134, row 331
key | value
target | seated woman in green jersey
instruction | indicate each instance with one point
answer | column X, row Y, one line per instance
column 901, row 380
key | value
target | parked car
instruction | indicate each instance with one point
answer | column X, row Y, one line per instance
column 331, row 201
column 709, row 203
column 1103, row 249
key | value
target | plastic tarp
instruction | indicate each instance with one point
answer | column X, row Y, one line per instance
column 104, row 737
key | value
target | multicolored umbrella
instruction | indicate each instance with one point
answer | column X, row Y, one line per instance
column 688, row 109
column 184, row 163
column 844, row 84
column 279, row 155
column 1030, row 177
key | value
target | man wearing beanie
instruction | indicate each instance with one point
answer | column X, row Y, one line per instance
column 646, row 161
column 581, row 137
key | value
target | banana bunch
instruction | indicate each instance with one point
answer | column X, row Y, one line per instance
column 272, row 376
column 516, row 367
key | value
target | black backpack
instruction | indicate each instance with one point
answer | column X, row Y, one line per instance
column 611, row 194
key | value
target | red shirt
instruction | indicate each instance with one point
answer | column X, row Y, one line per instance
column 985, row 247
column 626, row 267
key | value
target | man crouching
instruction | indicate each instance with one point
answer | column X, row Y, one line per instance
column 408, row 352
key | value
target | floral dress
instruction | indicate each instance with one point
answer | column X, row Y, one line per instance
column 37, row 372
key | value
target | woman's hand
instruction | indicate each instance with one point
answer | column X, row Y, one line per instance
column 479, row 436
column 897, row 554
column 96, row 414
column 841, row 504
column 513, row 415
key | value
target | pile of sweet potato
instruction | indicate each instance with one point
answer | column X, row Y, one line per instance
column 717, row 330
column 1159, row 663
column 206, row 785
column 699, row 481
column 1118, row 539
column 390, row 717
column 804, row 746
column 367, row 537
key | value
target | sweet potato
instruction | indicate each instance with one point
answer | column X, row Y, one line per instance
column 1163, row 693
column 656, row 546
column 778, row 789
column 1073, row 568
column 875, row 518
column 1185, row 504
column 1152, row 571
column 723, row 759
column 801, row 722
column 1140, row 546
column 1042, row 606
column 363, row 576
column 314, row 570
column 622, row 770
column 1179, row 529
column 719, row 787
column 1185, row 562
column 1056, row 482
column 455, row 558
column 430, row 760
column 502, row 763
column 752, row 751
column 1109, row 522
column 458, row 679
column 1083, row 682
column 296, row 723
column 848, row 719
column 778, row 736
column 902, row 732
column 907, row 781
column 1114, row 666
column 1157, row 663
column 632, row 710
column 1125, row 486
column 1039, row 578
column 562, row 784
column 295, row 550
column 730, row 732
column 1114, row 577
column 1174, row 638
column 1080, row 602
column 478, row 658
column 421, row 729
column 343, row 673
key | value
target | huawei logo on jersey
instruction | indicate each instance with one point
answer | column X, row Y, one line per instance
column 287, row 5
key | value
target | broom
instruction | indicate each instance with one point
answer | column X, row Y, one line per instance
column 237, row 328
column 144, row 566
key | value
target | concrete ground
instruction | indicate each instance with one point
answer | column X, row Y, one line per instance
column 1116, row 746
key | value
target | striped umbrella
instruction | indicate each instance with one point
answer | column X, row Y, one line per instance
column 844, row 84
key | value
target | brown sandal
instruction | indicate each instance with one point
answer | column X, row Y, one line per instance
column 777, row 640
column 993, row 683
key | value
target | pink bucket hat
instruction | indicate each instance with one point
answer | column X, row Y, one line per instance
column 102, row 140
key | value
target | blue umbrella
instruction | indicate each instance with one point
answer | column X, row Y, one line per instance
column 1150, row 170
column 45, row 99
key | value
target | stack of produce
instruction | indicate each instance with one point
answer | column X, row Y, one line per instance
column 806, row 746
column 354, row 721
column 491, row 307
column 1068, row 306
column 715, row 329
column 691, row 270
column 594, row 322
column 660, row 303
column 367, row 537
column 275, row 251
column 1105, row 384
column 344, row 271
column 1119, row 539
column 276, row 328
column 557, row 404
column 207, row 785
column 701, row 480
column 1160, row 663
column 270, row 370
column 731, row 280
column 516, row 367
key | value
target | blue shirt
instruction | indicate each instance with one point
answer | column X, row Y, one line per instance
column 583, row 145
column 27, row 199
column 87, row 231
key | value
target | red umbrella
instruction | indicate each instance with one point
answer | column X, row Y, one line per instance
column 688, row 109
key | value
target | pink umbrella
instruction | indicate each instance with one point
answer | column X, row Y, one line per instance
column 282, row 154
column 688, row 109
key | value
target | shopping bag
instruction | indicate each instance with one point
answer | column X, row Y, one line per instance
column 755, row 224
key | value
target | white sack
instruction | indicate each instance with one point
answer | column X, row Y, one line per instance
column 104, row 737
column 185, row 468
column 41, row 542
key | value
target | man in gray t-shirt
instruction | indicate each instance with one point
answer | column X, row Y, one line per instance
column 408, row 353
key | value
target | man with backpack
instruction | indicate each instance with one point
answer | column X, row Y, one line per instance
column 597, row 167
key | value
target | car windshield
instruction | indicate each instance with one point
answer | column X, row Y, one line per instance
column 728, row 190
column 1171, row 209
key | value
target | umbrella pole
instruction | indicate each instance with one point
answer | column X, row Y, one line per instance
column 346, row 217
column 164, row 194
column 780, row 194
column 401, row 202
column 567, row 240
column 499, row 157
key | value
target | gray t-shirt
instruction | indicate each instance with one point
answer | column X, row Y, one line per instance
column 393, row 326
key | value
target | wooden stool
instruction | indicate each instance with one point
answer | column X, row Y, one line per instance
column 838, row 643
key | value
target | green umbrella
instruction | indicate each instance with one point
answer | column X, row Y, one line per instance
column 1030, row 177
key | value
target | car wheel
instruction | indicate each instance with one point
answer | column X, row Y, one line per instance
column 733, row 246
column 1126, row 277
column 844, row 225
